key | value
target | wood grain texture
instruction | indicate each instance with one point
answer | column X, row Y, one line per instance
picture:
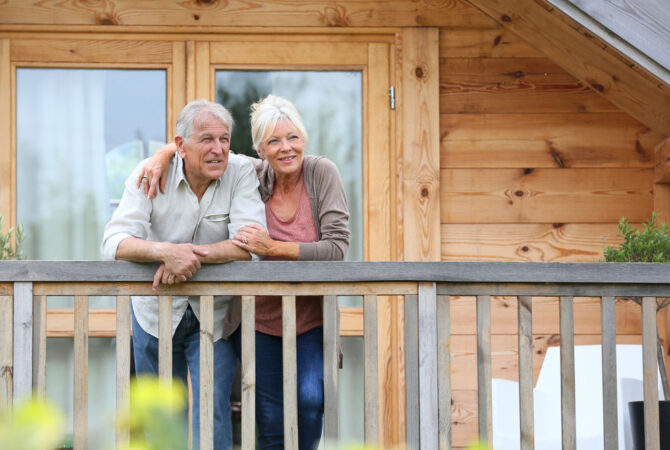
column 545, row 195
column 510, row 85
column 609, row 373
column 102, row 322
column 567, row 351
column 206, row 372
column 557, row 140
column 583, row 55
column 6, row 351
column 444, row 372
column 492, row 42
column 428, row 366
column 6, row 185
column 40, row 346
column 23, row 341
column 248, row 372
column 290, row 372
column 204, row 86
column 122, row 365
column 91, row 51
column 557, row 242
column 177, row 91
column 330, row 368
column 421, row 149
column 650, row 374
column 662, row 159
column 411, row 318
column 237, row 13
column 662, row 201
column 302, row 53
column 484, row 368
column 370, row 370
column 526, row 416
column 165, row 338
column 80, row 417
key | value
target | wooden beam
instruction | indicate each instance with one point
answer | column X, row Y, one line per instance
column 586, row 57
column 420, row 145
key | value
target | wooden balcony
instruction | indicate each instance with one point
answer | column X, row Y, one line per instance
column 424, row 290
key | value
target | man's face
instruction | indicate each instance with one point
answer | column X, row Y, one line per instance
column 205, row 154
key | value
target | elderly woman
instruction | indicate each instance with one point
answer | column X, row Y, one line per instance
column 307, row 219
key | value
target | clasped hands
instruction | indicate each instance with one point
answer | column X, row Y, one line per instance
column 180, row 262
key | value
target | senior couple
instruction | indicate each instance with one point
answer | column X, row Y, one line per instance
column 215, row 207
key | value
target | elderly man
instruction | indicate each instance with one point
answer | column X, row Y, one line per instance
column 209, row 195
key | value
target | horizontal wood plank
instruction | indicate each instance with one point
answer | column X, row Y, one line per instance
column 510, row 85
column 557, row 242
column 302, row 53
column 91, row 51
column 343, row 13
column 496, row 42
column 545, row 195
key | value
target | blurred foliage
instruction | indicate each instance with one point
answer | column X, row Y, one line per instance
column 156, row 419
column 31, row 425
column 11, row 248
column 239, row 107
column 478, row 445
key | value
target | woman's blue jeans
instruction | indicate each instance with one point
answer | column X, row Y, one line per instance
column 186, row 356
column 269, row 388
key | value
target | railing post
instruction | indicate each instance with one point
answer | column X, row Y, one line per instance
column 6, row 350
column 428, row 416
column 484, row 406
column 371, row 383
column 248, row 372
column 608, row 325
column 290, row 372
column 80, row 372
column 650, row 371
column 122, row 365
column 526, row 408
column 412, row 372
column 206, row 418
column 331, row 319
column 444, row 370
column 567, row 373
column 165, row 338
column 40, row 346
column 23, row 341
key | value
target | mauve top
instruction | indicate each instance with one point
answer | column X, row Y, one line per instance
column 299, row 228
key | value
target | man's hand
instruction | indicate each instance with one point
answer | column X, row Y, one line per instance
column 180, row 262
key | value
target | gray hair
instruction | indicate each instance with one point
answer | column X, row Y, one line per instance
column 267, row 112
column 194, row 114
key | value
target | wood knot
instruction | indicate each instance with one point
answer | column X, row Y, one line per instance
column 205, row 2
column 518, row 193
column 505, row 18
column 419, row 72
column 519, row 74
column 196, row 17
column 6, row 372
column 107, row 19
column 598, row 87
column 425, row 192
column 524, row 249
column 497, row 40
column 528, row 171
column 557, row 225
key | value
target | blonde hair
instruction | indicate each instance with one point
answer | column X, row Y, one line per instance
column 268, row 112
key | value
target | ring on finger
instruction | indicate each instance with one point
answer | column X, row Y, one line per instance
column 245, row 241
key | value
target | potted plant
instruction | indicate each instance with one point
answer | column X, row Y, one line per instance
column 11, row 248
column 651, row 243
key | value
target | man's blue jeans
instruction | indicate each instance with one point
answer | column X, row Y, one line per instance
column 186, row 356
column 269, row 388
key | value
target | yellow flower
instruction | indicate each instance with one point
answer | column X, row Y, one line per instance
column 33, row 424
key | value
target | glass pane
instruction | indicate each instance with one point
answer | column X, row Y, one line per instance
column 80, row 132
column 331, row 107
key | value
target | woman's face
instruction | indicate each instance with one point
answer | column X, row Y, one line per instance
column 283, row 149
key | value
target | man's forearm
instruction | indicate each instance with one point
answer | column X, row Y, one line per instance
column 224, row 251
column 139, row 250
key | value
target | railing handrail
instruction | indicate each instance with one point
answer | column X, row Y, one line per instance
column 338, row 271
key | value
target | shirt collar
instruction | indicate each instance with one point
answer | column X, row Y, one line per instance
column 181, row 177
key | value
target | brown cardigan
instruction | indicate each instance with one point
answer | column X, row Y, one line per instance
column 329, row 211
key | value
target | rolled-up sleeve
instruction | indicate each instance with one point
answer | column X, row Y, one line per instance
column 131, row 218
column 246, row 207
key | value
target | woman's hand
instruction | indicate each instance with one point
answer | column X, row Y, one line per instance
column 156, row 169
column 254, row 238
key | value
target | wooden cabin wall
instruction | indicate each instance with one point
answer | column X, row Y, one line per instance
column 534, row 167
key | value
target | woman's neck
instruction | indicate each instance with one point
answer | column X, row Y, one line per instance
column 288, row 183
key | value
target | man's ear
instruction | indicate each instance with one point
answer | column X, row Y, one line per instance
column 179, row 141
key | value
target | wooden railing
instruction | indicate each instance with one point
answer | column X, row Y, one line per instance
column 426, row 289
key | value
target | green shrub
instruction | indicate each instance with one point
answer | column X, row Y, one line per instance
column 11, row 249
column 649, row 244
